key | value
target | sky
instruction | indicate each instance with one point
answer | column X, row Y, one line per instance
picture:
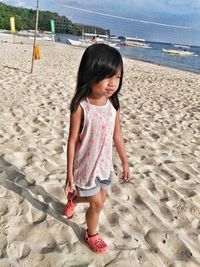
column 154, row 20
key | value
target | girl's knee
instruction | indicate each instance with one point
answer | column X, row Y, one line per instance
column 97, row 206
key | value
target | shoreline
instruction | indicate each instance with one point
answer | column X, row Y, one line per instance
column 48, row 43
column 163, row 65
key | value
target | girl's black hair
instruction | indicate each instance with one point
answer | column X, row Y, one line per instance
column 98, row 62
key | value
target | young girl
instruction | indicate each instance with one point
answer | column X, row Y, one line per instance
column 94, row 123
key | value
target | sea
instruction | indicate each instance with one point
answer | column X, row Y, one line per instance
column 154, row 54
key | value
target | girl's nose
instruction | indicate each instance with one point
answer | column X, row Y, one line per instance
column 111, row 82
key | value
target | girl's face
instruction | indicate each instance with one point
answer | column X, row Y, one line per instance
column 107, row 87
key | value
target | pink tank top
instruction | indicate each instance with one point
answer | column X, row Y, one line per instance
column 93, row 155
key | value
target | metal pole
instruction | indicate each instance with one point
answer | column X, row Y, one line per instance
column 36, row 27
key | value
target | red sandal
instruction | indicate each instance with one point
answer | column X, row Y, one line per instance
column 95, row 243
column 71, row 204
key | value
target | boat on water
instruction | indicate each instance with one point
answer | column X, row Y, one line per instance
column 91, row 38
column 42, row 38
column 135, row 42
column 177, row 52
column 181, row 50
column 42, row 35
column 180, row 46
column 82, row 43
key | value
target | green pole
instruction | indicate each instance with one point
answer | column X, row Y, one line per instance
column 52, row 22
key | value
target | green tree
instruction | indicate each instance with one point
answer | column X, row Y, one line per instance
column 25, row 20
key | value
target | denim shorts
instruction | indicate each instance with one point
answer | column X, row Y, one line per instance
column 100, row 184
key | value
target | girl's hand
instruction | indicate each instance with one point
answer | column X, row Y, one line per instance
column 69, row 186
column 126, row 172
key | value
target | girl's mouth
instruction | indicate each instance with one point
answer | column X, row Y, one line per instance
column 110, row 91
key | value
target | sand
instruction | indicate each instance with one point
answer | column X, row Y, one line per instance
column 153, row 220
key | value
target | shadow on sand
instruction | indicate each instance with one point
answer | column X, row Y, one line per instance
column 12, row 68
column 12, row 179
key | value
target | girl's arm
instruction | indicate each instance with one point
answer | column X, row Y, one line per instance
column 119, row 144
column 74, row 129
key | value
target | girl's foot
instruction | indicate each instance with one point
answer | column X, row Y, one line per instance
column 71, row 204
column 95, row 243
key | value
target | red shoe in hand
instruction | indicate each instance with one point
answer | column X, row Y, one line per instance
column 71, row 204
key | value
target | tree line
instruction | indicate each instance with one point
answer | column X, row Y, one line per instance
column 25, row 20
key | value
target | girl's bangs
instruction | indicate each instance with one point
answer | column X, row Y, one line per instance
column 108, row 71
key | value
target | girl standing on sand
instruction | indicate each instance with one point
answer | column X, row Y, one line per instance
column 94, row 123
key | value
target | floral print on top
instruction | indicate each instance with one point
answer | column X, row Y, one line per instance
column 93, row 155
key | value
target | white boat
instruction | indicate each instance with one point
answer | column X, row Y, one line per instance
column 82, row 43
column 37, row 38
column 135, row 42
column 47, row 38
column 44, row 38
column 99, row 39
column 183, row 47
column 91, row 39
column 181, row 51
column 178, row 52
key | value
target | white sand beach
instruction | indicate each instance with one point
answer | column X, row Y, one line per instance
column 151, row 221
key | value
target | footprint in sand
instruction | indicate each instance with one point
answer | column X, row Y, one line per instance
column 155, row 136
column 144, row 257
column 35, row 216
column 166, row 175
column 184, row 264
column 24, row 233
column 21, row 158
column 166, row 213
column 181, row 174
column 44, row 263
column 3, row 245
column 47, row 242
column 169, row 244
column 187, row 192
column 3, row 191
column 17, row 128
column 64, row 236
column 177, row 204
column 18, row 250
column 195, row 211
column 3, row 208
column 113, row 218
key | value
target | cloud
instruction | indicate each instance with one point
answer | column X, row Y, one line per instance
column 133, row 6
column 161, row 11
column 20, row 3
column 15, row 2
column 122, row 7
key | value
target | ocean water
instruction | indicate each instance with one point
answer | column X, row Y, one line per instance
column 155, row 54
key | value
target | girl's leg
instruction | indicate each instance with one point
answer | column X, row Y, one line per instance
column 81, row 200
column 92, row 214
column 103, row 195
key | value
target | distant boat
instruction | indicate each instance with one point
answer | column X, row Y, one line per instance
column 44, row 38
column 135, row 42
column 183, row 50
column 180, row 46
column 93, row 38
column 82, row 43
column 47, row 38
